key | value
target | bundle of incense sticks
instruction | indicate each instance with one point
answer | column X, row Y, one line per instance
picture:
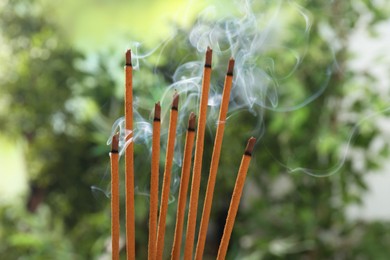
column 157, row 218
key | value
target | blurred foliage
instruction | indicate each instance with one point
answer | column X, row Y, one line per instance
column 45, row 107
column 62, row 104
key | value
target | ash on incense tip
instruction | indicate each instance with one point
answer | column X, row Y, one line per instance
column 209, row 55
column 230, row 67
column 175, row 102
column 115, row 143
column 128, row 58
column 157, row 111
column 191, row 122
column 250, row 145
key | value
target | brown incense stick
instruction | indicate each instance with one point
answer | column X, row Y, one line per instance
column 196, row 173
column 153, row 209
column 185, row 177
column 167, row 177
column 235, row 200
column 114, row 158
column 129, row 159
column 214, row 162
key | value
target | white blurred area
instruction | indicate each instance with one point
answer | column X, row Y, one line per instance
column 13, row 173
column 375, row 201
column 370, row 52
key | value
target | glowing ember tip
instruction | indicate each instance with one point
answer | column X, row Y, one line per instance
column 230, row 67
column 191, row 122
column 175, row 102
column 115, row 143
column 250, row 146
column 157, row 111
column 128, row 57
column 209, row 54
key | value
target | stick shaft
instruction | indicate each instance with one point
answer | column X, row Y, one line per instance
column 213, row 169
column 166, row 184
column 196, row 173
column 115, row 205
column 233, row 208
column 181, row 204
column 153, row 210
column 129, row 164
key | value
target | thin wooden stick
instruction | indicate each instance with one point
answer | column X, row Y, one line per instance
column 197, row 169
column 114, row 158
column 129, row 160
column 185, row 177
column 153, row 209
column 167, row 177
column 235, row 200
column 214, row 162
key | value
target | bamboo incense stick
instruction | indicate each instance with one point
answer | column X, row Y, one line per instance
column 114, row 158
column 167, row 177
column 129, row 159
column 185, row 177
column 153, row 209
column 235, row 200
column 214, row 162
column 197, row 169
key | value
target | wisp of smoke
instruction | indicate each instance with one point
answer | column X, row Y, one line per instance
column 260, row 84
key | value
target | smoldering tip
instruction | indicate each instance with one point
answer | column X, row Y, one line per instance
column 175, row 102
column 191, row 122
column 250, row 145
column 209, row 56
column 128, row 57
column 157, row 111
column 230, row 67
column 115, row 143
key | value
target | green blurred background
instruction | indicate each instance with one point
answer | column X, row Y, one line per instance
column 318, row 181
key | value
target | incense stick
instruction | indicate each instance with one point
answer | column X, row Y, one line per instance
column 185, row 177
column 153, row 209
column 167, row 177
column 129, row 160
column 114, row 158
column 196, row 173
column 214, row 162
column 235, row 200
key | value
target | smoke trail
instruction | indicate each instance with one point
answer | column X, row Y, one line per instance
column 263, row 79
column 353, row 133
